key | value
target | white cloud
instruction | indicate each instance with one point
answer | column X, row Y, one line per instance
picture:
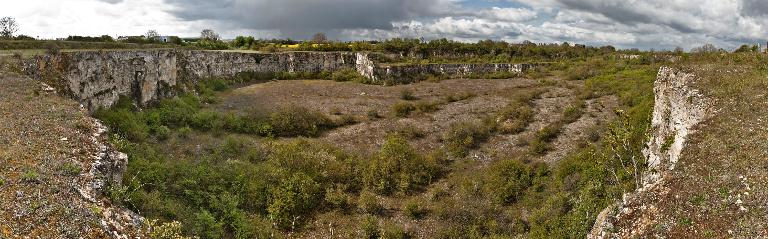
column 625, row 23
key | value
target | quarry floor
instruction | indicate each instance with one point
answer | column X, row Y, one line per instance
column 47, row 146
column 487, row 97
column 366, row 136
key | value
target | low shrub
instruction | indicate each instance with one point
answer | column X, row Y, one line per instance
column 540, row 144
column 295, row 197
column 427, row 106
column 298, row 121
column 393, row 231
column 402, row 109
column 71, row 168
column 463, row 136
column 368, row 203
column 408, row 132
column 162, row 132
column 370, row 228
column 373, row 114
column 336, row 197
column 399, row 168
column 413, row 209
column 407, row 94
column 508, row 180
column 348, row 75
column 572, row 113
column 459, row 97
column 515, row 117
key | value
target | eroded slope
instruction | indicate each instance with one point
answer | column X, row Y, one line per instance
column 49, row 180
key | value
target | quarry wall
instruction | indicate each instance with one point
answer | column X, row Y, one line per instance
column 98, row 78
column 410, row 73
column 678, row 107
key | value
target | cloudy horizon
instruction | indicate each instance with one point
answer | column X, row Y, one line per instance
column 645, row 24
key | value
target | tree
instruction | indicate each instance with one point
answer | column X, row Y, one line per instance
column 209, row 34
column 175, row 40
column 8, row 27
column 706, row 48
column 152, row 36
column 319, row 38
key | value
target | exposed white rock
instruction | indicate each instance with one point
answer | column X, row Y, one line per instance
column 677, row 109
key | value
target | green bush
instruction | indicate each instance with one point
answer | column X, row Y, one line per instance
column 508, row 180
column 292, row 200
column 572, row 113
column 348, row 75
column 393, row 231
column 185, row 132
column 368, row 203
column 206, row 120
column 413, row 209
column 128, row 124
column 162, row 132
column 370, row 227
column 540, row 144
column 515, row 117
column 402, row 109
column 30, row 176
column 207, row 226
column 459, row 97
column 298, row 121
column 337, row 198
column 463, row 136
column 398, row 167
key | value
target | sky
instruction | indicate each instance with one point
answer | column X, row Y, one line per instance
column 644, row 24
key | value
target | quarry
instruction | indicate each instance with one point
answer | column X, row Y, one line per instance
column 302, row 144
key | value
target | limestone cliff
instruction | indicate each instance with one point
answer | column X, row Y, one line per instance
column 678, row 107
column 410, row 73
column 98, row 78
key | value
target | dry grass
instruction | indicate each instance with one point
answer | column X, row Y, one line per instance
column 46, row 144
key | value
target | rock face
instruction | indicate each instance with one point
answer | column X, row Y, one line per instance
column 98, row 78
column 411, row 73
column 677, row 109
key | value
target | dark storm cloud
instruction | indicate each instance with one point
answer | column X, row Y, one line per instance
column 300, row 15
column 754, row 7
column 627, row 13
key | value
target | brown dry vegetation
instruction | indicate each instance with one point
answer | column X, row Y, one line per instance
column 45, row 151
column 717, row 189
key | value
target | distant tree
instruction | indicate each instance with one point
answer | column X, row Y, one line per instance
column 743, row 48
column 152, row 36
column 24, row 37
column 8, row 27
column 243, row 42
column 679, row 50
column 175, row 40
column 706, row 48
column 107, row 38
column 319, row 38
column 209, row 34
